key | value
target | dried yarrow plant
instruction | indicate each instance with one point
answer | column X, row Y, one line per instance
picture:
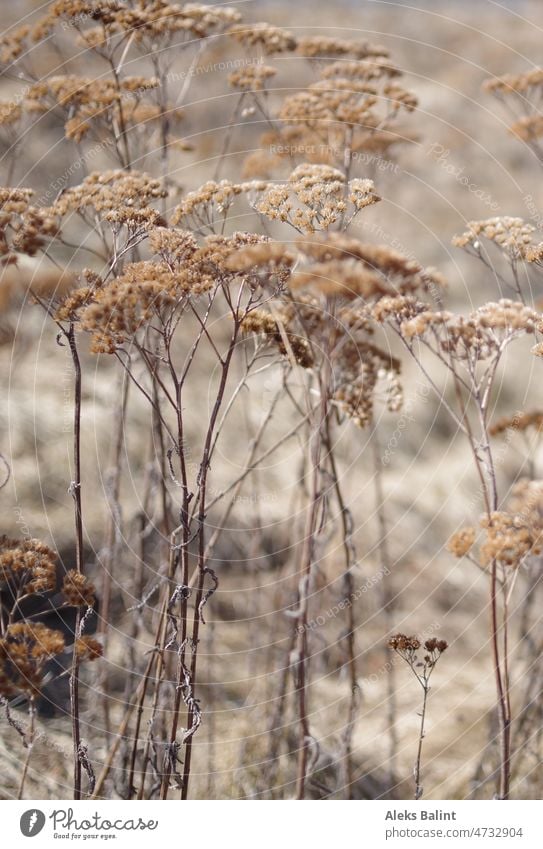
column 422, row 668
column 169, row 286
column 470, row 349
column 31, row 587
column 520, row 97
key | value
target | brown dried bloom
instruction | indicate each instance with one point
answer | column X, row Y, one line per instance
column 144, row 21
column 13, row 43
column 518, row 422
column 269, row 263
column 353, row 107
column 252, row 77
column 10, row 113
column 118, row 310
column 276, row 329
column 325, row 46
column 403, row 643
column 407, row 648
column 87, row 648
column 26, row 566
column 509, row 538
column 77, row 590
column 351, row 268
column 518, row 83
column 461, row 542
column 115, row 196
column 24, row 229
column 512, row 235
column 314, row 198
column 529, row 128
column 358, row 367
column 521, row 93
column 484, row 333
column 24, row 650
column 87, row 102
column 154, row 288
column 271, row 39
column 527, row 501
column 208, row 205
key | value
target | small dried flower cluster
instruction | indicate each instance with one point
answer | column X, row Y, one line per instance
column 96, row 103
column 335, row 266
column 518, row 422
column 314, row 198
column 513, row 236
column 11, row 114
column 482, row 335
column 271, row 39
column 508, row 537
column 325, row 46
column 211, row 203
column 359, row 367
column 120, row 198
column 461, row 542
column 69, row 304
column 252, row 77
column 522, row 93
column 353, row 108
column 345, row 267
column 26, row 566
column 87, row 648
column 143, row 20
column 114, row 312
column 274, row 40
column 526, row 500
column 25, row 648
column 275, row 328
column 407, row 647
column 267, row 263
column 78, row 590
column 531, row 81
column 24, row 229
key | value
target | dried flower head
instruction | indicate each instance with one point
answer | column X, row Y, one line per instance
column 96, row 103
column 509, row 538
column 403, row 643
column 87, row 648
column 461, row 542
column 518, row 422
column 252, row 77
column 78, row 590
column 484, row 334
column 24, row 650
column 272, row 39
column 513, row 236
column 115, row 196
column 313, row 198
column 207, row 206
column 24, row 229
column 26, row 566
column 325, row 46
column 521, row 94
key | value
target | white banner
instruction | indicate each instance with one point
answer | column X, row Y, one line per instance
column 277, row 825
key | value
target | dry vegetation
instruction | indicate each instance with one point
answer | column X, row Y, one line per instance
column 269, row 442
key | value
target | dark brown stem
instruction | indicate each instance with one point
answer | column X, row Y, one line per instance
column 350, row 636
column 75, row 489
column 204, row 468
column 418, row 762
